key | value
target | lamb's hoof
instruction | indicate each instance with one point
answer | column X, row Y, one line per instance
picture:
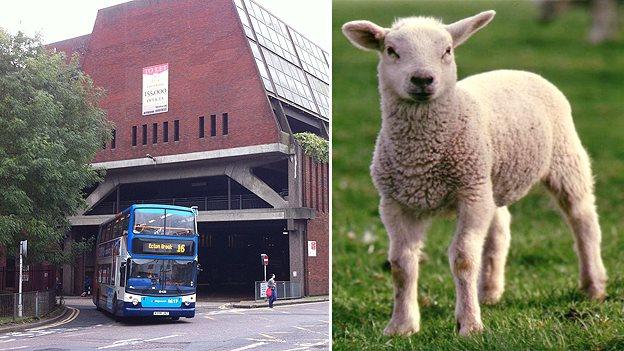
column 395, row 328
column 490, row 296
column 595, row 293
column 468, row 329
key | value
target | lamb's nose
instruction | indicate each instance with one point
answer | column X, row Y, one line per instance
column 422, row 80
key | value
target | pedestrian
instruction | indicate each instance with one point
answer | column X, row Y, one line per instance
column 271, row 285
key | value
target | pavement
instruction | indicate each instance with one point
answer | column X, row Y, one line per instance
column 58, row 314
column 262, row 303
column 216, row 326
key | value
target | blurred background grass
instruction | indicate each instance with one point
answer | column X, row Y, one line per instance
column 541, row 308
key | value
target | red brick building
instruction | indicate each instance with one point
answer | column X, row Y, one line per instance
column 205, row 97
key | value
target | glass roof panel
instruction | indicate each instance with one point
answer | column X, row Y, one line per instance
column 298, row 69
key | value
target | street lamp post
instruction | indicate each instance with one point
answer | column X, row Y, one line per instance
column 23, row 250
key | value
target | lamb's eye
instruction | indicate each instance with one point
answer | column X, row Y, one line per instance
column 447, row 52
column 391, row 52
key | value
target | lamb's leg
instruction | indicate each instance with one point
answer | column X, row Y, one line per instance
column 570, row 181
column 406, row 235
column 492, row 278
column 473, row 220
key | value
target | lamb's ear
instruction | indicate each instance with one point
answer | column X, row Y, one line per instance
column 365, row 34
column 464, row 29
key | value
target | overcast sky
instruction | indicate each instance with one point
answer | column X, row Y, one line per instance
column 63, row 19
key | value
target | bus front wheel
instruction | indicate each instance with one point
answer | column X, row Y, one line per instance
column 175, row 318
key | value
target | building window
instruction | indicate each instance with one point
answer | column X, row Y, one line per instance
column 114, row 139
column 213, row 125
column 165, row 132
column 134, row 135
column 154, row 133
column 225, row 124
column 176, row 130
column 201, row 127
column 144, row 134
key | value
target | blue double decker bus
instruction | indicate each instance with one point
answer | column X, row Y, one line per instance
column 146, row 262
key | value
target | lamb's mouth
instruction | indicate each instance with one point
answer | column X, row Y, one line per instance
column 421, row 96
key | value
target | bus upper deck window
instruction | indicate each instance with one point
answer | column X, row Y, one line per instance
column 149, row 221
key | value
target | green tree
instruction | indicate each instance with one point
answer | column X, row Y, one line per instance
column 51, row 127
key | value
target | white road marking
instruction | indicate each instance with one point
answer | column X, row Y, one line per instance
column 128, row 342
column 307, row 346
column 14, row 348
column 249, row 346
column 163, row 337
column 212, row 313
column 3, row 341
column 76, row 334
column 267, row 336
column 119, row 343
column 308, row 330
column 317, row 344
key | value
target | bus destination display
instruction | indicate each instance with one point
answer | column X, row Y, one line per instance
column 148, row 246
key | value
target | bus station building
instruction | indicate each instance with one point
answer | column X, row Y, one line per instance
column 205, row 97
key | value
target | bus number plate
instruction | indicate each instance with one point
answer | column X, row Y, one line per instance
column 161, row 313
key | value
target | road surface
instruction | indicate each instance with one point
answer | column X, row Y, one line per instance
column 216, row 326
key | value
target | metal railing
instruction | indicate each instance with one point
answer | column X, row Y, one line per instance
column 34, row 304
column 285, row 290
column 203, row 203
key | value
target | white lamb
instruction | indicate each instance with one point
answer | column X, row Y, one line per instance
column 472, row 147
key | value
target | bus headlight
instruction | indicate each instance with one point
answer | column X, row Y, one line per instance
column 135, row 302
column 187, row 303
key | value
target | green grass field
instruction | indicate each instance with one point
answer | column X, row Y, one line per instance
column 541, row 308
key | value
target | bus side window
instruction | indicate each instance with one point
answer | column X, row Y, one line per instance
column 122, row 274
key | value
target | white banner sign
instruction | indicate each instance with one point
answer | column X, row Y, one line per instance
column 155, row 89
column 312, row 248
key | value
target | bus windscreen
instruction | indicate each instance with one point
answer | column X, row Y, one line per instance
column 163, row 275
column 154, row 221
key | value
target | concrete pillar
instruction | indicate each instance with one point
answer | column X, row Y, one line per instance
column 296, row 244
column 79, row 273
column 68, row 269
